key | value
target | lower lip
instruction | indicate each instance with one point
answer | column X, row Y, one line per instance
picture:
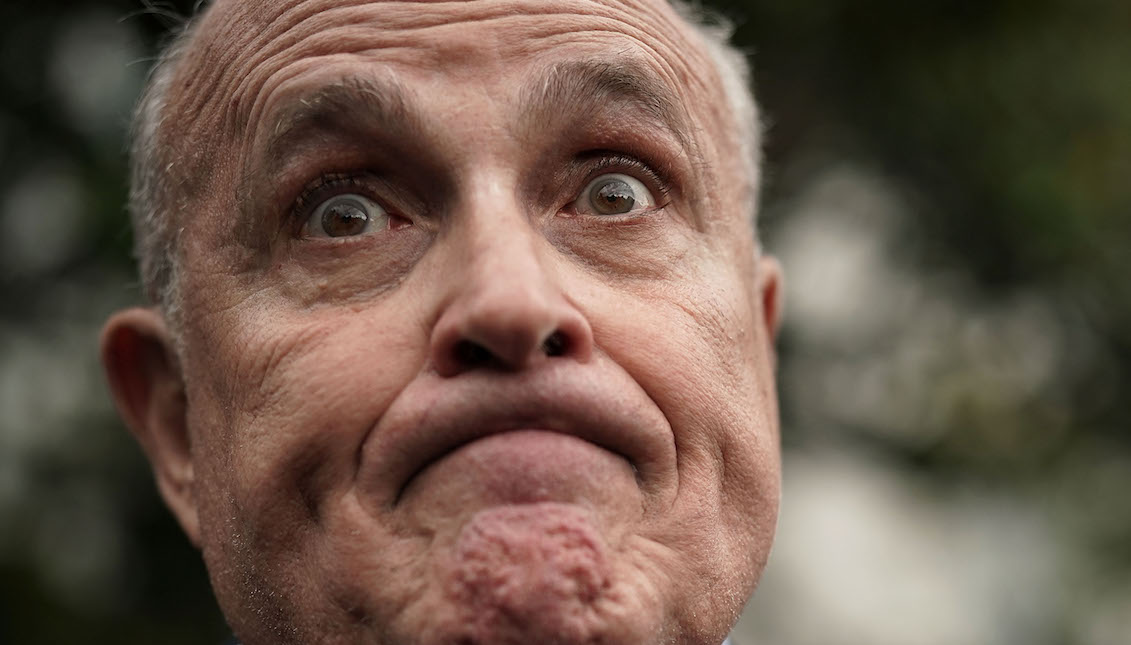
column 523, row 467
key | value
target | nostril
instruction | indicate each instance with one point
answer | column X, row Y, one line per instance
column 555, row 344
column 471, row 353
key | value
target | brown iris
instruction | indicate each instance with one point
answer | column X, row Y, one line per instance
column 613, row 197
column 344, row 217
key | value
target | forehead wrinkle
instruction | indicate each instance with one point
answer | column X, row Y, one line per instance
column 220, row 49
column 225, row 71
column 299, row 24
column 306, row 35
column 655, row 27
column 315, row 26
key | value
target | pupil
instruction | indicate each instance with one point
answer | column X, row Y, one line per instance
column 346, row 217
column 614, row 198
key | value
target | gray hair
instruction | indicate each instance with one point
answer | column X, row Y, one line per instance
column 152, row 179
column 154, row 198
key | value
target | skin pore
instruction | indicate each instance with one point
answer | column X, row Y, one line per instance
column 497, row 409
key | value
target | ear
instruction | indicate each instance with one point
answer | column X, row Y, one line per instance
column 148, row 388
column 770, row 292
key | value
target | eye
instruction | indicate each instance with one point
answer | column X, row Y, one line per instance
column 614, row 194
column 346, row 215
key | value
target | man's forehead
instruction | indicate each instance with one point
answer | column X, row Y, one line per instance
column 265, row 27
column 240, row 48
column 267, row 11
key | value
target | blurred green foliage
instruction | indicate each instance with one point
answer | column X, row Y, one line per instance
column 1002, row 127
column 1007, row 125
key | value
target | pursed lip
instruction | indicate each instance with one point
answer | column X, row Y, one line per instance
column 433, row 417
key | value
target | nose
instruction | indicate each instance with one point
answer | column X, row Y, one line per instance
column 505, row 310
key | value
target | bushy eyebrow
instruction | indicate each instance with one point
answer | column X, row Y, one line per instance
column 567, row 90
column 578, row 87
column 352, row 104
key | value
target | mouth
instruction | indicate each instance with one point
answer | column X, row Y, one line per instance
column 552, row 435
column 521, row 466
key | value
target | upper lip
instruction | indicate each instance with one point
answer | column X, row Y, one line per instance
column 434, row 416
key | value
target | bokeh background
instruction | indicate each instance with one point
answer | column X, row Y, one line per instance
column 949, row 187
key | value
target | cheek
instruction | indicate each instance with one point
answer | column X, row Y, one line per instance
column 289, row 398
column 695, row 348
column 280, row 407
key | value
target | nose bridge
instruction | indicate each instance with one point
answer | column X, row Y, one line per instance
column 503, row 260
column 506, row 307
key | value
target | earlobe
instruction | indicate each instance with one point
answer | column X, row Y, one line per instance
column 147, row 385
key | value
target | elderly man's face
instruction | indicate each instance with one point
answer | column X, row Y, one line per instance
column 475, row 345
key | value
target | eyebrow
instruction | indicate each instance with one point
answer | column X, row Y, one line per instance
column 353, row 104
column 356, row 107
column 578, row 86
column 360, row 105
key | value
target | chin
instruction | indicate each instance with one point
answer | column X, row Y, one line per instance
column 532, row 573
column 544, row 573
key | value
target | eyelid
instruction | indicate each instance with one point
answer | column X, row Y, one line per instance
column 602, row 162
column 605, row 162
